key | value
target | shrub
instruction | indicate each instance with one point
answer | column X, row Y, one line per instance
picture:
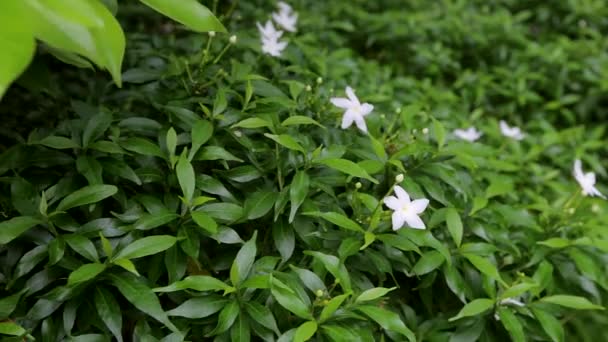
column 216, row 195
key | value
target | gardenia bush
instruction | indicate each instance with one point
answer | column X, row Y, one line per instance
column 327, row 171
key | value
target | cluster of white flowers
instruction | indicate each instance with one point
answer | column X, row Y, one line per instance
column 471, row 134
column 287, row 19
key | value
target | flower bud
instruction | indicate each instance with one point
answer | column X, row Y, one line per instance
column 319, row 80
column 308, row 87
column 425, row 131
column 319, row 293
column 358, row 185
column 238, row 134
column 232, row 39
column 399, row 178
column 595, row 208
column 571, row 211
column 211, row 34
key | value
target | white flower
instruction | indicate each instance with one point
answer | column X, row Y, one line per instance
column 355, row 110
column 511, row 132
column 405, row 210
column 286, row 18
column 273, row 47
column 471, row 134
column 586, row 180
column 268, row 31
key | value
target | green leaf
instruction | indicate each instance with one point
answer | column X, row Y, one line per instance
column 551, row 325
column 284, row 239
column 512, row 324
column 309, row 279
column 151, row 221
column 499, row 185
column 58, row 142
column 109, row 311
column 109, row 40
column 429, row 261
column 259, row 203
column 479, row 203
column 199, row 307
column 201, row 133
column 84, row 273
column 241, row 266
column 300, row 120
column 87, row 195
column 82, row 246
column 262, row 315
column 305, row 331
column 11, row 328
column 337, row 219
column 574, row 302
column 17, row 43
column 188, row 12
column 241, row 329
column 517, row 290
column 142, row 146
column 556, row 243
column 373, row 294
column 149, row 245
column 11, row 229
column 127, row 265
column 216, row 153
column 454, row 225
column 220, row 103
column 288, row 299
column 197, row 283
column 141, row 296
column 252, row 123
column 204, row 221
column 387, row 320
column 185, row 177
column 286, row 141
column 439, row 132
column 95, row 127
column 298, row 190
column 9, row 303
column 474, row 308
column 347, row 167
column 335, row 267
column 332, row 306
column 226, row 318
column 223, row 212
column 171, row 139
column 484, row 266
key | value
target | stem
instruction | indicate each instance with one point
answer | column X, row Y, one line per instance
column 222, row 53
column 279, row 173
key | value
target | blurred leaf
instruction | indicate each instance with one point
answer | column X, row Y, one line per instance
column 305, row 331
column 149, row 245
column 16, row 226
column 454, row 225
column 474, row 308
column 387, row 320
column 574, row 302
column 348, row 167
column 185, row 176
column 188, row 12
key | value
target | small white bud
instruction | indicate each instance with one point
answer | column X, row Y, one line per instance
column 425, row 131
column 319, row 293
column 211, row 34
column 238, row 134
column 308, row 87
column 358, row 185
column 414, row 131
column 398, row 110
column 233, row 39
column 571, row 211
column 382, row 116
column 319, row 80
column 595, row 208
column 399, row 178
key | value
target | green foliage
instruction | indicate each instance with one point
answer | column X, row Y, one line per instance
column 215, row 196
column 79, row 32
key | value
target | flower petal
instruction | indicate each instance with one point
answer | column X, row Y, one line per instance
column 347, row 119
column 351, row 95
column 341, row 102
column 578, row 170
column 402, row 195
column 414, row 221
column 393, row 203
column 398, row 220
column 419, row 205
column 366, row 108
column 360, row 121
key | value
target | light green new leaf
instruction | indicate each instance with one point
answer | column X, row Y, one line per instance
column 146, row 246
column 298, row 190
column 347, row 167
column 373, row 293
column 289, row 300
column 85, row 272
column 109, row 40
column 474, row 308
column 429, row 261
column 300, row 120
column 286, row 141
column 87, row 195
column 18, row 45
column 305, row 331
column 332, row 306
column 512, row 324
column 551, row 325
column 197, row 283
column 11, row 329
column 204, row 221
column 16, row 226
column 171, row 139
column 484, row 266
column 188, row 12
